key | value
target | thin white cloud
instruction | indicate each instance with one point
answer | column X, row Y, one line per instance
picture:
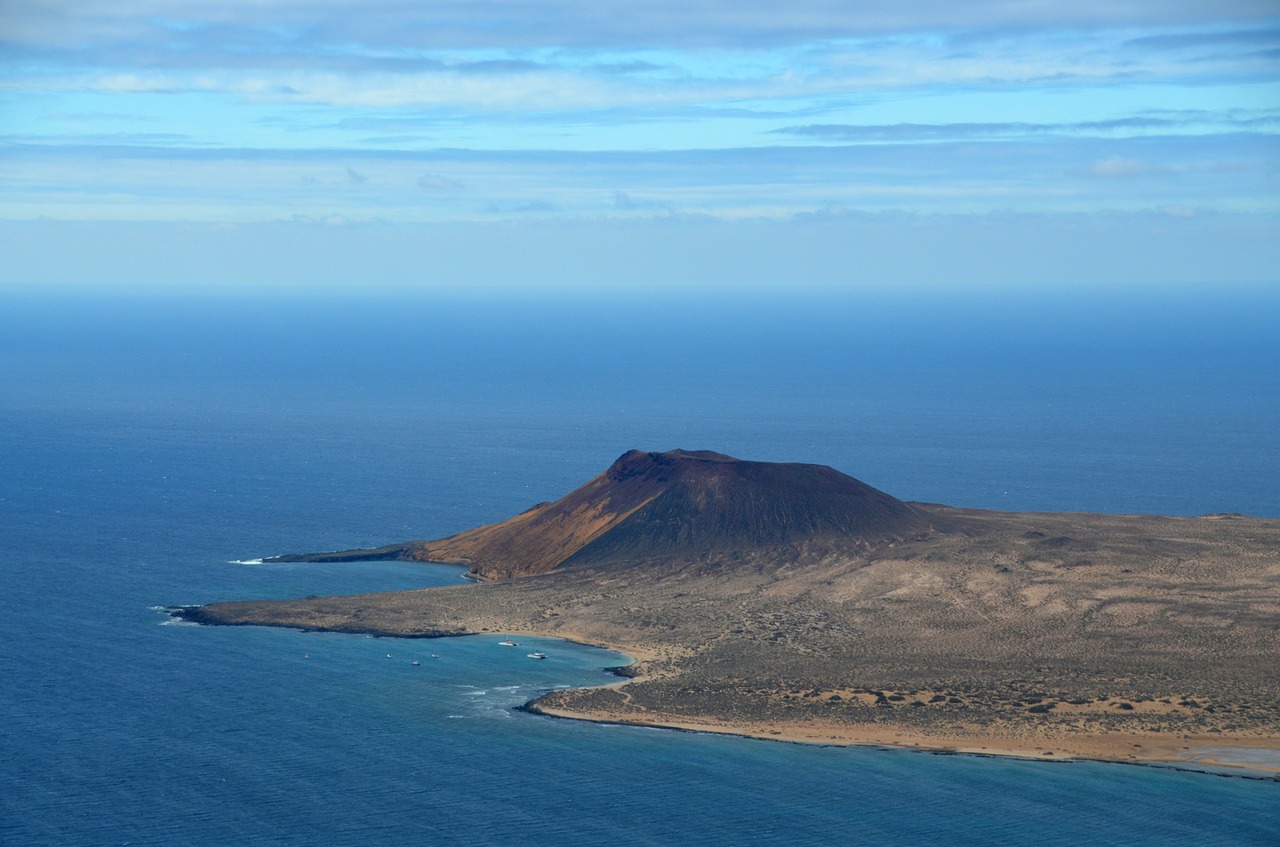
column 436, row 182
column 716, row 82
column 265, row 53
column 1050, row 177
column 1119, row 166
column 721, row 109
column 397, row 24
column 1154, row 122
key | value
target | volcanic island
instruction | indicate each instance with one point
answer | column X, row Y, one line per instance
column 793, row 602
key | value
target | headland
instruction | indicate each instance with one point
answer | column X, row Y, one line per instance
column 794, row 602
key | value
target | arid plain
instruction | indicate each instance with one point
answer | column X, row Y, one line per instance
column 793, row 602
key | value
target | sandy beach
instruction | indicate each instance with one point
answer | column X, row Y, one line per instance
column 1259, row 756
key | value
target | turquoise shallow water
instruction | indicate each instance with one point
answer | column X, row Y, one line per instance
column 142, row 457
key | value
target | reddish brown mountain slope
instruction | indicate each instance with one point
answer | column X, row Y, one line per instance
column 679, row 504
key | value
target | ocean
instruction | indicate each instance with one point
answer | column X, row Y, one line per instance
column 151, row 443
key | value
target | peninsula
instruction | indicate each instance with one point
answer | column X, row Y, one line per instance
column 792, row 601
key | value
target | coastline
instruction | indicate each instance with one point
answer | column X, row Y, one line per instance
column 1242, row 756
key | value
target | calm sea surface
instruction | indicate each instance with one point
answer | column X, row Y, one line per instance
column 147, row 444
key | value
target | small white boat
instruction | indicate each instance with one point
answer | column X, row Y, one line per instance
column 507, row 642
column 388, row 655
column 537, row 655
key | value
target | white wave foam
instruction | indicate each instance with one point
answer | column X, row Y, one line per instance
column 245, row 562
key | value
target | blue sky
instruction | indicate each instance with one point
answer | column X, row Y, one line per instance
column 494, row 143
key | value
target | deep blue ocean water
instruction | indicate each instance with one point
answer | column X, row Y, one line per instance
column 147, row 442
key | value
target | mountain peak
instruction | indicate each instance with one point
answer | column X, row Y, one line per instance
column 686, row 505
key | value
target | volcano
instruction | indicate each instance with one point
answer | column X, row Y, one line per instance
column 679, row 505
column 792, row 600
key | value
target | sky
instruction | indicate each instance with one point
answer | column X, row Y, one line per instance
column 591, row 145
